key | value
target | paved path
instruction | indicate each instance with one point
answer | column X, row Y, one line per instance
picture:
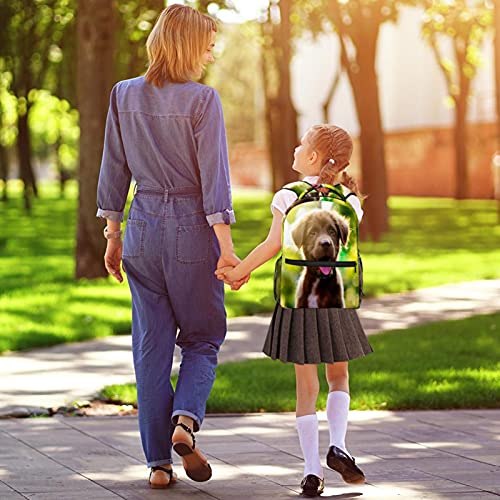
column 405, row 455
column 58, row 375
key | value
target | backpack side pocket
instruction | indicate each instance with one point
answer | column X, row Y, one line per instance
column 277, row 279
column 360, row 271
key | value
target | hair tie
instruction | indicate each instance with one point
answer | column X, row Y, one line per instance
column 332, row 161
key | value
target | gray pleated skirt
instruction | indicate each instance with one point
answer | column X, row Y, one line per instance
column 313, row 336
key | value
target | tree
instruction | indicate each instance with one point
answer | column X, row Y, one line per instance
column 96, row 28
column 280, row 113
column 496, row 28
column 464, row 25
column 8, row 129
column 357, row 24
column 496, row 158
column 29, row 51
column 135, row 21
column 331, row 91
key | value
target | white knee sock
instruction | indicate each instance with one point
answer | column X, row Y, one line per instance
column 337, row 413
column 307, row 428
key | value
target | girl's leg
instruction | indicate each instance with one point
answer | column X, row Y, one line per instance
column 337, row 405
column 307, row 384
column 337, row 411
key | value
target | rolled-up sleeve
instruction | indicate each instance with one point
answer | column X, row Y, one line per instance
column 115, row 176
column 213, row 163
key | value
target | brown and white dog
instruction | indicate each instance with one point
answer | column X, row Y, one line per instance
column 319, row 234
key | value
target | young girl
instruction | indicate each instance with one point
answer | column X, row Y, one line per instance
column 296, row 334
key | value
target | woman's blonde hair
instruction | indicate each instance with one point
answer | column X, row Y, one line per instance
column 177, row 43
column 334, row 147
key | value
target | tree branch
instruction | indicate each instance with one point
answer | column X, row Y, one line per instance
column 447, row 76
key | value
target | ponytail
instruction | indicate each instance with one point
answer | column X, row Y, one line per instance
column 333, row 174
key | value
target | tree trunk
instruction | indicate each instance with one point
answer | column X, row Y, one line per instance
column 363, row 78
column 287, row 119
column 460, row 132
column 62, row 173
column 281, row 116
column 331, row 91
column 4, row 171
column 460, row 140
column 24, row 155
column 96, row 33
column 496, row 28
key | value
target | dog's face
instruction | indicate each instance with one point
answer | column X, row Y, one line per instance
column 319, row 235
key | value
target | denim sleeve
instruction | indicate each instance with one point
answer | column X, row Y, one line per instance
column 210, row 136
column 115, row 176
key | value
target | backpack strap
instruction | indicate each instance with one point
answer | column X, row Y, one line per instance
column 303, row 188
column 299, row 187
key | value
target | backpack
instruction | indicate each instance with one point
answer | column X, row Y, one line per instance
column 320, row 265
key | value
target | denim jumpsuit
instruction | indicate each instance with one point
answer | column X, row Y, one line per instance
column 172, row 141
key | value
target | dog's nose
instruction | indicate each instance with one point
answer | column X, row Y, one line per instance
column 326, row 243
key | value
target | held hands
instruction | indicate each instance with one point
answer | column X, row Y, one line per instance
column 113, row 258
column 225, row 265
column 225, row 272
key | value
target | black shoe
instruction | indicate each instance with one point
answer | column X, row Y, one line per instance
column 346, row 466
column 312, row 486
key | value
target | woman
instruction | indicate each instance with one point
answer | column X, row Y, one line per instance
column 167, row 131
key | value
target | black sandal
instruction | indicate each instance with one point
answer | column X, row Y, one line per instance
column 171, row 478
column 195, row 463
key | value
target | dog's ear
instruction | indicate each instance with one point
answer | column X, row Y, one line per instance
column 343, row 228
column 298, row 232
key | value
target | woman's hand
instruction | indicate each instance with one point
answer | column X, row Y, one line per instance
column 113, row 258
column 228, row 260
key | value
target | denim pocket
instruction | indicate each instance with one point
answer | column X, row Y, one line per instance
column 193, row 243
column 133, row 244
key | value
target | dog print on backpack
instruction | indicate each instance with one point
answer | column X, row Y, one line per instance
column 320, row 265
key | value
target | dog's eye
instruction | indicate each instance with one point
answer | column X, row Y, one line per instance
column 332, row 231
column 312, row 233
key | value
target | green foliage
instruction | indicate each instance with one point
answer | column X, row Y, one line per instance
column 136, row 19
column 352, row 17
column 448, row 364
column 433, row 241
column 32, row 48
column 209, row 6
column 53, row 124
column 464, row 25
column 8, row 110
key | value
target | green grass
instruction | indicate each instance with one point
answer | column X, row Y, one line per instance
column 432, row 242
column 448, row 364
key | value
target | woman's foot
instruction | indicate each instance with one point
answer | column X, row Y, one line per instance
column 195, row 463
column 312, row 486
column 345, row 465
column 162, row 477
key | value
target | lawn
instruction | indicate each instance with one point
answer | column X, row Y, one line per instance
column 432, row 242
column 448, row 364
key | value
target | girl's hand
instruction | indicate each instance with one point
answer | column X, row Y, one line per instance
column 236, row 285
column 232, row 276
column 113, row 258
column 233, row 281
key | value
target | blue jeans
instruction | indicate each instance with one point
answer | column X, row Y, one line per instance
column 170, row 254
